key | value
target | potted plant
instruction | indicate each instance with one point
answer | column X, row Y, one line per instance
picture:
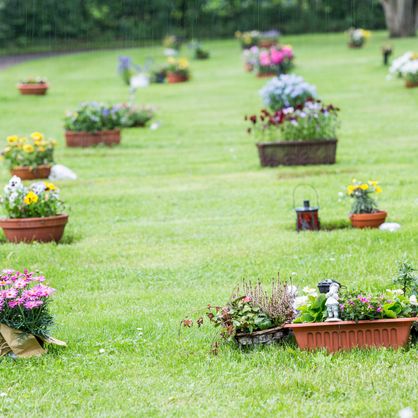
column 268, row 39
column 198, row 52
column 274, row 61
column 177, row 70
column 25, row 320
column 31, row 158
column 248, row 39
column 92, row 124
column 305, row 134
column 364, row 211
column 33, row 86
column 34, row 213
column 253, row 315
column 172, row 42
column 364, row 320
column 132, row 116
column 406, row 67
column 357, row 37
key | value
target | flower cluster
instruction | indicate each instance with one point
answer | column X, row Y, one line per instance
column 361, row 193
column 126, row 69
column 178, row 66
column 357, row 37
column 309, row 121
column 274, row 60
column 24, row 302
column 32, row 152
column 285, row 91
column 34, row 80
column 93, row 117
column 406, row 66
column 40, row 199
column 253, row 38
column 172, row 42
column 132, row 116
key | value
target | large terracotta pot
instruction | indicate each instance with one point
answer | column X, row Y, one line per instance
column 345, row 335
column 174, row 78
column 29, row 173
column 368, row 220
column 321, row 151
column 34, row 229
column 39, row 89
column 411, row 84
column 90, row 139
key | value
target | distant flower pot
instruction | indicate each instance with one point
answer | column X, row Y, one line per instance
column 90, row 139
column 266, row 336
column 266, row 74
column 37, row 89
column 174, row 78
column 345, row 335
column 411, row 84
column 368, row 220
column 32, row 173
column 273, row 154
column 34, row 229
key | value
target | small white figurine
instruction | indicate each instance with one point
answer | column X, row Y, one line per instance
column 332, row 303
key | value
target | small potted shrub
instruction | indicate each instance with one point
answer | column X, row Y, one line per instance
column 177, row 70
column 305, row 134
column 33, row 86
column 31, row 158
column 25, row 320
column 248, row 39
column 274, row 61
column 132, row 116
column 364, row 211
column 92, row 124
column 406, row 67
column 34, row 213
column 357, row 37
column 253, row 315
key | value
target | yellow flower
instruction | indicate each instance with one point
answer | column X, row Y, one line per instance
column 28, row 148
column 378, row 189
column 12, row 139
column 37, row 136
column 373, row 183
column 50, row 186
column 364, row 186
column 183, row 63
column 41, row 149
column 30, row 198
column 350, row 189
column 23, row 140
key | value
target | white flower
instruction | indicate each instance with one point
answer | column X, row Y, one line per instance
column 406, row 413
column 170, row 52
column 139, row 81
column 102, row 350
column 311, row 291
column 413, row 300
column 395, row 292
column 300, row 301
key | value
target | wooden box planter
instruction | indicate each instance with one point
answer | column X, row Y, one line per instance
column 266, row 336
column 174, row 78
column 90, row 139
column 32, row 173
column 273, row 154
column 34, row 229
column 368, row 220
column 411, row 84
column 345, row 335
column 33, row 89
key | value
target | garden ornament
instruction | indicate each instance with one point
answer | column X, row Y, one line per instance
column 332, row 303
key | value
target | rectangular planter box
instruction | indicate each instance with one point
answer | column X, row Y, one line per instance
column 273, row 154
column 345, row 335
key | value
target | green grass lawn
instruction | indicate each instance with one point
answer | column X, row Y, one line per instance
column 174, row 218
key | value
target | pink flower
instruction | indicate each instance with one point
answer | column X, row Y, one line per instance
column 10, row 293
column 247, row 299
column 277, row 56
column 287, row 52
column 264, row 58
column 20, row 284
column 31, row 304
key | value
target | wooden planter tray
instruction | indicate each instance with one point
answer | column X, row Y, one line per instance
column 266, row 336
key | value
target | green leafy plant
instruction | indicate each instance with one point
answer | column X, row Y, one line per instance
column 132, row 115
column 314, row 311
column 407, row 278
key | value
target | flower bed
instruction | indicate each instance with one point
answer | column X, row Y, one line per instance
column 34, row 213
column 30, row 158
column 33, row 86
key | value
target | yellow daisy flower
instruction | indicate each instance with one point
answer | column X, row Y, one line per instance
column 364, row 186
column 12, row 139
column 28, row 148
column 30, row 198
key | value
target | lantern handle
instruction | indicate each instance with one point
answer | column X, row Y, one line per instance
column 306, row 185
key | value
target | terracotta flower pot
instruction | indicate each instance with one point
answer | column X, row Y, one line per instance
column 174, row 78
column 267, row 74
column 345, row 335
column 266, row 336
column 90, row 139
column 368, row 220
column 29, row 173
column 411, row 84
column 39, row 89
column 34, row 229
column 277, row 153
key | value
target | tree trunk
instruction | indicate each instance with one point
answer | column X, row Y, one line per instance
column 401, row 17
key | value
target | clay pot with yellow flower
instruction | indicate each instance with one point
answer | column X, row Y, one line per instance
column 29, row 158
column 34, row 212
column 364, row 211
column 177, row 70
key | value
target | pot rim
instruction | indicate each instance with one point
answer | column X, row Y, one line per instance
column 346, row 323
column 24, row 220
column 24, row 167
column 310, row 141
column 93, row 133
column 33, row 85
column 366, row 215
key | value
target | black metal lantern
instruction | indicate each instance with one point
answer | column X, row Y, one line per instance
column 307, row 216
column 324, row 285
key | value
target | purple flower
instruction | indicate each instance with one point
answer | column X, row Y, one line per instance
column 379, row 309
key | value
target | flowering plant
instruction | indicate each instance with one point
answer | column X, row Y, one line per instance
column 34, row 80
column 285, row 91
column 274, row 60
column 178, row 66
column 310, row 121
column 132, row 115
column 198, row 52
column 33, row 152
column 361, row 193
column 40, row 199
column 357, row 37
column 172, row 42
column 406, row 66
column 126, row 69
column 24, row 302
column 93, row 117
column 248, row 39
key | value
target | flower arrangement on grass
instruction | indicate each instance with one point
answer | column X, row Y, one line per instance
column 198, row 52
column 34, row 80
column 267, row 62
column 177, row 70
column 33, row 155
column 173, row 42
column 134, row 116
column 285, row 91
column 357, row 37
column 33, row 85
column 248, row 39
column 406, row 66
